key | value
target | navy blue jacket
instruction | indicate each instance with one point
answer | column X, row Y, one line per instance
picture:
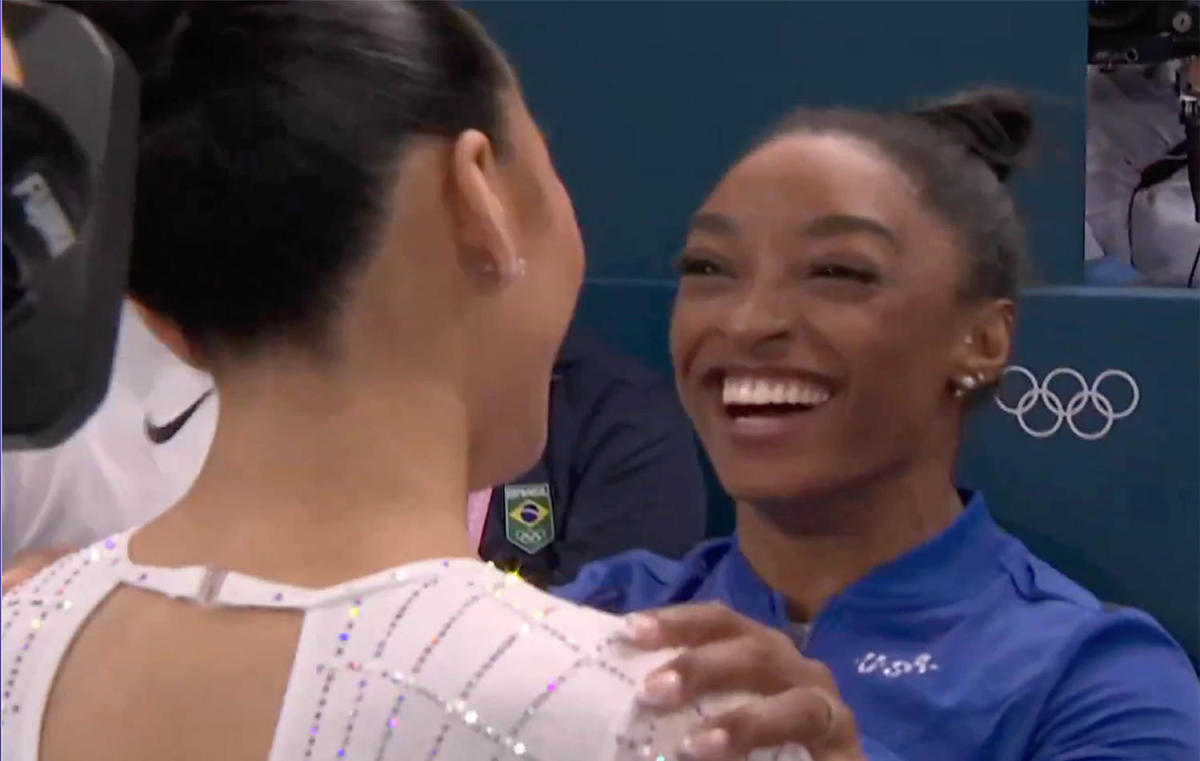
column 621, row 462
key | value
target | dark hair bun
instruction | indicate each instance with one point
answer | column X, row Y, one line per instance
column 994, row 124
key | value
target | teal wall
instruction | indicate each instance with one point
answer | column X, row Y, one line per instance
column 1121, row 514
column 646, row 103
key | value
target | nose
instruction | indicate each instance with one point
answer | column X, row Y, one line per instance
column 760, row 316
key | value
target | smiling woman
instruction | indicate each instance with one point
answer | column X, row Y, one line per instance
column 847, row 292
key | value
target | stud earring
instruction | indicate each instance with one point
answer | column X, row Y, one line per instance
column 519, row 268
column 966, row 384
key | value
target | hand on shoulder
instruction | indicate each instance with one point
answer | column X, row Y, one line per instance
column 795, row 703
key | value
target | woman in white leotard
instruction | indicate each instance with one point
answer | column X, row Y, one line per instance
column 346, row 213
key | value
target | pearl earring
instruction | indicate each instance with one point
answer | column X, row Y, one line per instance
column 518, row 269
column 967, row 384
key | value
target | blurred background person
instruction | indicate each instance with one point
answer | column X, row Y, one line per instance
column 1140, row 209
column 137, row 455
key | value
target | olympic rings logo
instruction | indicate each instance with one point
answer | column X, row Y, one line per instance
column 1087, row 395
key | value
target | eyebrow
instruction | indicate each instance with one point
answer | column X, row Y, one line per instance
column 828, row 226
column 845, row 224
column 718, row 224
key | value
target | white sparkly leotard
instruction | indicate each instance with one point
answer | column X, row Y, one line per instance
column 435, row 660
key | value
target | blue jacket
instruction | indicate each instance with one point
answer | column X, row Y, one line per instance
column 968, row 648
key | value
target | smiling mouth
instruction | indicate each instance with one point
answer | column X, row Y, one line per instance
column 749, row 396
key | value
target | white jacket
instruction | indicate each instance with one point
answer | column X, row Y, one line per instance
column 109, row 476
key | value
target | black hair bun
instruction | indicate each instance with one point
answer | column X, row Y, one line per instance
column 994, row 124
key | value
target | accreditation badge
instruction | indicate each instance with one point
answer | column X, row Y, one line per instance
column 528, row 516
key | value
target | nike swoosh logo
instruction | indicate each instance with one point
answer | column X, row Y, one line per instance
column 161, row 434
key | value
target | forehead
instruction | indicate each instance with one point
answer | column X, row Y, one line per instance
column 799, row 177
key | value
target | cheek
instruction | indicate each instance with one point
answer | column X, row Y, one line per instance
column 902, row 355
column 684, row 333
column 687, row 343
column 568, row 240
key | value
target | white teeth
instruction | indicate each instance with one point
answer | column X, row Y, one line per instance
column 749, row 391
column 779, row 393
column 762, row 392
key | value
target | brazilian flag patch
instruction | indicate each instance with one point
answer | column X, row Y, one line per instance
column 528, row 516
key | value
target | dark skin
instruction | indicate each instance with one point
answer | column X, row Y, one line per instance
column 816, row 260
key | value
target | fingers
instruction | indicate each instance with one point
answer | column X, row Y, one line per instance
column 729, row 653
column 804, row 716
column 686, row 626
column 765, row 663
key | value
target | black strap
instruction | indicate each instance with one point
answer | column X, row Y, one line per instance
column 1192, row 275
column 1160, row 171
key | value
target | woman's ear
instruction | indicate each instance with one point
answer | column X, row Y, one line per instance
column 484, row 226
column 169, row 333
column 985, row 349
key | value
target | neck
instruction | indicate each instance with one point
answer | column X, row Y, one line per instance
column 312, row 480
column 813, row 550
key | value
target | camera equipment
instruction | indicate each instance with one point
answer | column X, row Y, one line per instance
column 70, row 139
column 1121, row 32
column 1142, row 31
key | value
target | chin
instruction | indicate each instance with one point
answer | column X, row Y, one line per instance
column 780, row 486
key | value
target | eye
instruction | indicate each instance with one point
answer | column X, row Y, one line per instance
column 843, row 272
column 696, row 265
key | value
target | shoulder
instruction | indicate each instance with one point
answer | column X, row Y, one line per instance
column 42, row 613
column 1078, row 622
column 637, row 580
column 575, row 683
column 514, row 667
column 1114, row 682
column 63, row 578
column 1123, row 689
column 649, row 734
